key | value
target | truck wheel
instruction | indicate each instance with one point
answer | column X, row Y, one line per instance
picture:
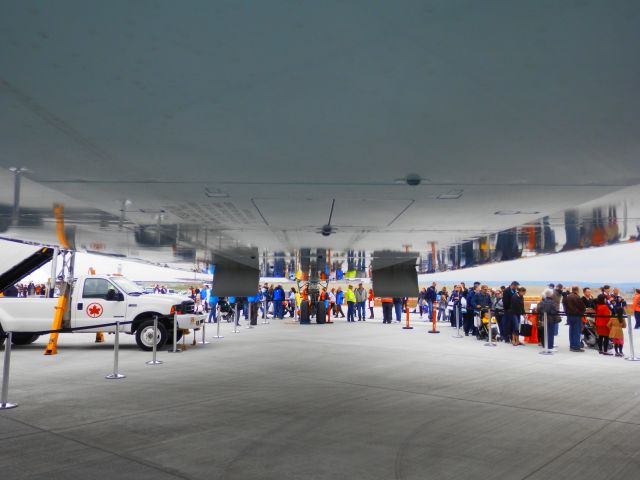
column 23, row 338
column 304, row 312
column 321, row 312
column 145, row 337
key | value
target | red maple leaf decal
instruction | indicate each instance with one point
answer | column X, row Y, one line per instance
column 94, row 310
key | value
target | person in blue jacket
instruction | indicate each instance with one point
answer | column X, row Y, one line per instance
column 212, row 301
column 278, row 298
column 204, row 295
column 339, row 302
column 253, row 304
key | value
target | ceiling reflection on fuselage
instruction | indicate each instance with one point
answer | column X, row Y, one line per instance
column 610, row 220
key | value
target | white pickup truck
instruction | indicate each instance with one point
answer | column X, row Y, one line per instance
column 100, row 299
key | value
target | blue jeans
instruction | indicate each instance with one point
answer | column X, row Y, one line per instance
column 550, row 336
column 575, row 327
column 278, row 309
column 398, row 308
column 429, row 309
column 360, row 310
column 351, row 311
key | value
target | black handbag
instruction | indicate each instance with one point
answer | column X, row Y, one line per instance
column 525, row 329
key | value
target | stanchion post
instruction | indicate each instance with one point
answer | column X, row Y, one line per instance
column 155, row 361
column 490, row 342
column 236, row 314
column 407, row 326
column 433, row 319
column 116, row 350
column 632, row 357
column 457, row 311
column 204, row 336
column 4, row 399
column 175, row 335
column 218, row 319
column 545, row 342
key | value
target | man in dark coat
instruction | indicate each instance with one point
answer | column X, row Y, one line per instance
column 575, row 309
column 508, row 294
column 548, row 306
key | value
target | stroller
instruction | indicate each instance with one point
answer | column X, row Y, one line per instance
column 226, row 311
column 483, row 329
column 590, row 335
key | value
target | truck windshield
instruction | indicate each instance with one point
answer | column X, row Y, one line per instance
column 127, row 285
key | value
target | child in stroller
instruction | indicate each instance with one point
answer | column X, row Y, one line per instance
column 483, row 328
column 226, row 311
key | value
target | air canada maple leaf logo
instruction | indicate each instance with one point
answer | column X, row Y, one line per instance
column 94, row 310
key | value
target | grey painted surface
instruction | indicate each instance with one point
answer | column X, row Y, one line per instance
column 360, row 401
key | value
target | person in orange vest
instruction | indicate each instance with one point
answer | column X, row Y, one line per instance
column 371, row 302
column 532, row 317
column 636, row 308
column 387, row 309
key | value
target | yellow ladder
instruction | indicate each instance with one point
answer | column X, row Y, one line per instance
column 63, row 304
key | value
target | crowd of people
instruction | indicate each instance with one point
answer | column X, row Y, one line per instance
column 26, row 290
column 471, row 309
column 595, row 319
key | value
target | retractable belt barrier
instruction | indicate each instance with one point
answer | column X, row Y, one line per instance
column 5, row 404
column 74, row 329
column 632, row 357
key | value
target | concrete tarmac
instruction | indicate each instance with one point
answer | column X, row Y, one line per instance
column 342, row 401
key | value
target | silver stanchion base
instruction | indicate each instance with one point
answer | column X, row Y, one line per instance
column 458, row 336
column 203, row 342
column 115, row 376
column 154, row 362
column 174, row 351
column 7, row 406
column 489, row 344
column 250, row 326
column 546, row 352
column 632, row 359
column 217, row 336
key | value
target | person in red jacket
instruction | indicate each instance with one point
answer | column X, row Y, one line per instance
column 370, row 302
column 603, row 315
